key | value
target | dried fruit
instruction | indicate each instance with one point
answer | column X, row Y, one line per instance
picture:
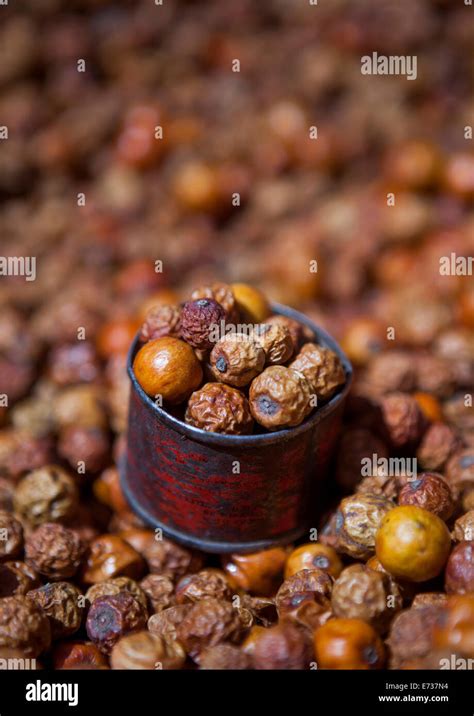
column 54, row 551
column 413, row 543
column 24, row 626
column 322, row 369
column 78, row 654
column 455, row 628
column 251, row 303
column 62, row 603
column 209, row 622
column 87, row 448
column 11, row 536
column 202, row 322
column 362, row 593
column 167, row 368
column 410, row 634
column 112, row 617
column 304, row 598
column 48, row 494
column 464, row 527
column 283, row 646
column 117, row 585
column 280, row 398
column 429, row 491
column 206, row 583
column 459, row 575
column 159, row 591
column 296, row 329
column 166, row 622
column 237, row 358
column 223, row 657
column 161, row 321
column 356, row 523
column 143, row 650
column 276, row 341
column 16, row 579
column 170, row 559
column 110, row 556
column 258, row 573
column 223, row 294
column 313, row 555
column 218, row 408
column 348, row 644
column 403, row 420
column 436, row 446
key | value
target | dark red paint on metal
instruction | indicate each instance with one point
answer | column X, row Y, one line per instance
column 183, row 479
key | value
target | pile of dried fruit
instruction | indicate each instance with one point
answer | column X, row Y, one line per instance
column 285, row 372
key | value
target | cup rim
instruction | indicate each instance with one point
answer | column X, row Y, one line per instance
column 276, row 436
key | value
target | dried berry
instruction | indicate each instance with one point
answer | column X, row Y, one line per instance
column 459, row 575
column 356, row 523
column 54, row 551
column 429, row 491
column 161, row 321
column 218, row 408
column 390, row 372
column 455, row 628
column 159, row 591
column 62, row 603
column 80, row 405
column 460, row 469
column 436, row 446
column 223, row 294
column 410, row 634
column 78, row 654
column 143, row 650
column 48, row 494
column 170, row 559
column 117, row 585
column 412, row 543
column 296, row 329
column 403, row 420
column 258, row 572
column 73, row 363
column 223, row 657
column 322, row 369
column 236, row 358
column 313, row 555
column 87, row 448
column 201, row 323
column 24, row 626
column 206, row 583
column 167, row 368
column 280, row 398
column 362, row 593
column 283, row 646
column 464, row 527
column 305, row 598
column 380, row 484
column 251, row 303
column 11, row 537
column 209, row 622
column 276, row 341
column 112, row 617
column 16, row 579
column 166, row 622
column 110, row 556
column 348, row 644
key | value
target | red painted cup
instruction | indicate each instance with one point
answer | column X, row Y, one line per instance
column 229, row 493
